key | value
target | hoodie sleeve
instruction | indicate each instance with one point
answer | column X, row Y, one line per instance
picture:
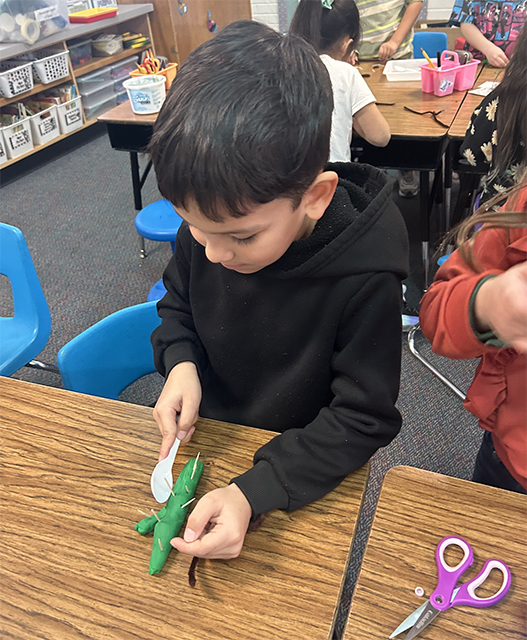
column 445, row 315
column 302, row 465
column 176, row 339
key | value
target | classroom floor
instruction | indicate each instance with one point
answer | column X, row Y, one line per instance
column 77, row 213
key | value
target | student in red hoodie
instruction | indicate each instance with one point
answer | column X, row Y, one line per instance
column 477, row 307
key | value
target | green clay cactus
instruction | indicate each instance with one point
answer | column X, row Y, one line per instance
column 171, row 517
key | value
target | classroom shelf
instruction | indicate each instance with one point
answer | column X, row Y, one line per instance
column 126, row 13
column 98, row 63
column 130, row 17
column 38, row 148
column 36, row 88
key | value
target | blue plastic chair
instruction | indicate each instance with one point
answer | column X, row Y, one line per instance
column 26, row 333
column 157, row 221
column 431, row 41
column 157, row 291
column 112, row 354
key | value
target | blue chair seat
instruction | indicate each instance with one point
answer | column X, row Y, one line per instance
column 157, row 291
column 158, row 221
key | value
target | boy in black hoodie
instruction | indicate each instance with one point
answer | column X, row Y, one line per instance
column 283, row 304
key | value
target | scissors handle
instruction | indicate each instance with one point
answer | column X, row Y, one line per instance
column 467, row 592
column 448, row 576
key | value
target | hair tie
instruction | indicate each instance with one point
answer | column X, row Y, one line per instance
column 326, row 4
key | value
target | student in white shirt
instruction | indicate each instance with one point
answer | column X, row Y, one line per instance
column 333, row 28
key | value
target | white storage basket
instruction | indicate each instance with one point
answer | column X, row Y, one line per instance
column 3, row 154
column 18, row 138
column 50, row 66
column 15, row 78
column 70, row 115
column 45, row 125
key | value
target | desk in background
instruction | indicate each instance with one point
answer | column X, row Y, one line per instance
column 131, row 132
column 75, row 469
column 418, row 142
column 416, row 509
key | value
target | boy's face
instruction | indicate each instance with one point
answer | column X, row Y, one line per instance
column 254, row 241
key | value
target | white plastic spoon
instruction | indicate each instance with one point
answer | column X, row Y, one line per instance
column 161, row 480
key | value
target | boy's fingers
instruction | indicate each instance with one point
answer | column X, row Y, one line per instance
column 199, row 519
column 166, row 445
column 187, row 416
column 212, row 545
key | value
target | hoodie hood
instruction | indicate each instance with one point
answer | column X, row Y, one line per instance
column 361, row 216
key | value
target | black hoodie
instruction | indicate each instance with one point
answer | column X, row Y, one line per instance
column 309, row 346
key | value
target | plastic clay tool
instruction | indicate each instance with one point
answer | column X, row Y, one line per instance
column 161, row 479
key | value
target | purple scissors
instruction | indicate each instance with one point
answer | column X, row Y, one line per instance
column 447, row 594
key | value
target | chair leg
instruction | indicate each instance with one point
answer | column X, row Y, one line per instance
column 43, row 366
column 142, row 247
column 428, row 365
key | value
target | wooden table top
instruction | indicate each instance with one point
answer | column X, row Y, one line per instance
column 123, row 114
column 75, row 470
column 416, row 509
column 462, row 119
column 404, row 123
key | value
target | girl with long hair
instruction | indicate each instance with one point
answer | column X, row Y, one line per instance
column 477, row 308
column 333, row 28
column 496, row 138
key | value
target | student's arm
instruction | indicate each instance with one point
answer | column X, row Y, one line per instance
column 301, row 465
column 388, row 49
column 178, row 353
column 370, row 124
column 500, row 306
column 446, row 315
column 474, row 37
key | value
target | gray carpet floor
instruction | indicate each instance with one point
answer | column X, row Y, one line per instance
column 77, row 216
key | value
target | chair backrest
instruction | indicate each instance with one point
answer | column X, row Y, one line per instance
column 431, row 41
column 110, row 355
column 24, row 334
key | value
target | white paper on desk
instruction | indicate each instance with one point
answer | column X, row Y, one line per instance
column 485, row 88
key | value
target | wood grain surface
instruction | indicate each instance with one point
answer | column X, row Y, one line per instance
column 416, row 509
column 471, row 101
column 123, row 114
column 75, row 469
column 403, row 123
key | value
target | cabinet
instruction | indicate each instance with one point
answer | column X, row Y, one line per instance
column 130, row 17
column 178, row 32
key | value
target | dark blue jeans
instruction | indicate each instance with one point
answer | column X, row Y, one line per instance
column 489, row 469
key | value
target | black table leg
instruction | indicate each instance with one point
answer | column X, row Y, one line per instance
column 136, row 180
column 424, row 196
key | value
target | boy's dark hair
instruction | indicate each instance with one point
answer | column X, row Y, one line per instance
column 324, row 28
column 247, row 120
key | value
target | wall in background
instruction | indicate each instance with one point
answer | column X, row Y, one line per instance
column 266, row 11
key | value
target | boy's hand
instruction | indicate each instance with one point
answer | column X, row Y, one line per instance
column 176, row 410
column 387, row 50
column 495, row 56
column 501, row 305
column 217, row 526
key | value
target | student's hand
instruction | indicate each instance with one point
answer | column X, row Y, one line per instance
column 495, row 56
column 501, row 305
column 217, row 526
column 387, row 50
column 176, row 410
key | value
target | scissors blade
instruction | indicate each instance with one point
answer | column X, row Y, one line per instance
column 414, row 617
column 410, row 621
column 429, row 613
